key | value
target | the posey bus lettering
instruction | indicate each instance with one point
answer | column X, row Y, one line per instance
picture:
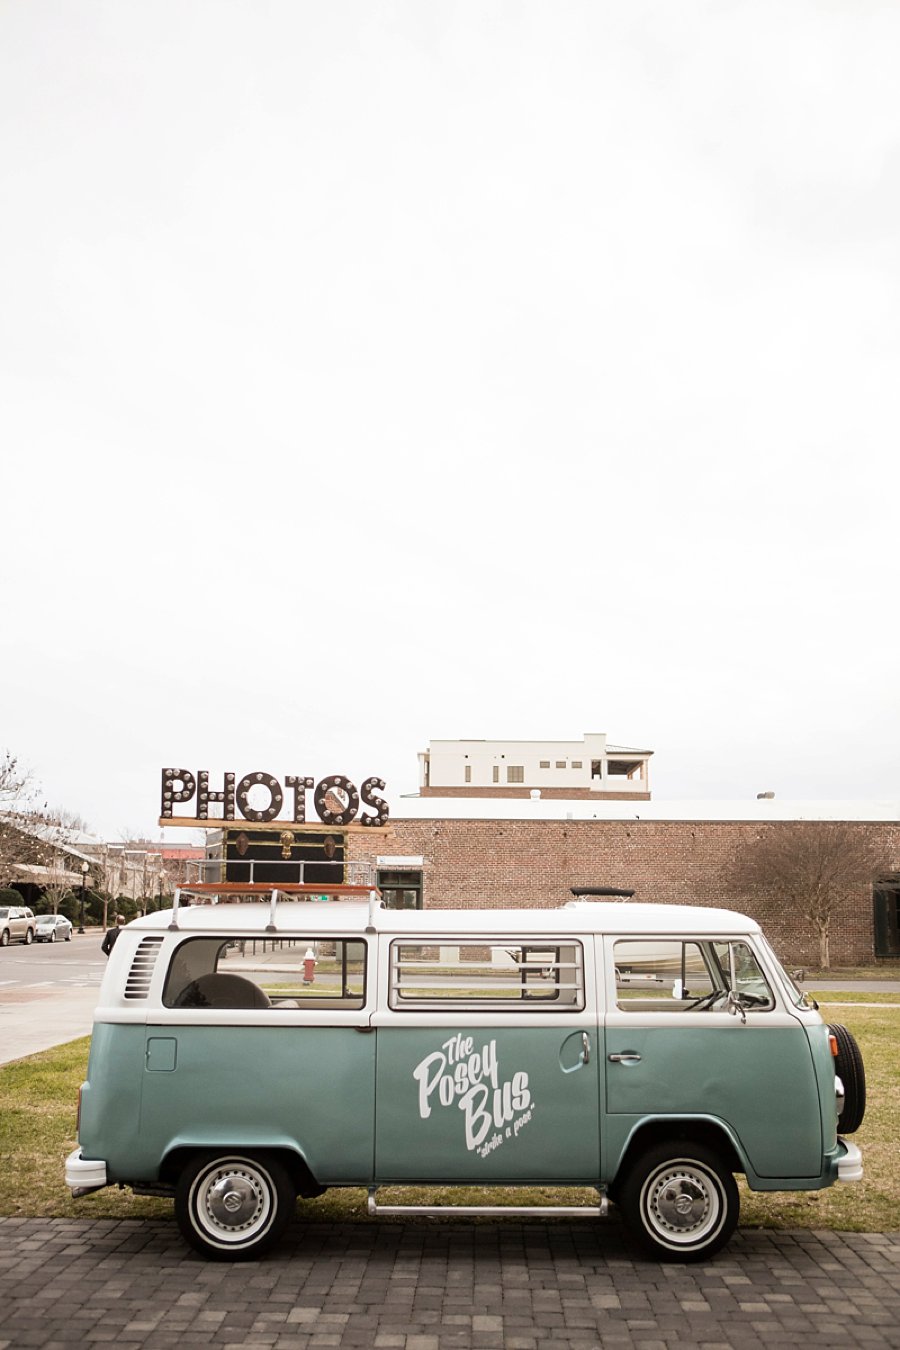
column 470, row 1078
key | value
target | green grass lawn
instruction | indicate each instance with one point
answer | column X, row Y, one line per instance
column 888, row 970
column 37, row 1130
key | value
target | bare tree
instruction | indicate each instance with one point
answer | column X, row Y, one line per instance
column 57, row 882
column 142, row 874
column 15, row 800
column 29, row 835
column 69, row 822
column 811, row 866
column 111, row 869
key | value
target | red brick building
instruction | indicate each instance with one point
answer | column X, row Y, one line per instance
column 487, row 853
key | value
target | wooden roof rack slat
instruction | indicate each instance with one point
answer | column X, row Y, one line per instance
column 267, row 887
column 372, row 893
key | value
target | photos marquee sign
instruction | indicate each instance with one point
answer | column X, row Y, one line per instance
column 335, row 798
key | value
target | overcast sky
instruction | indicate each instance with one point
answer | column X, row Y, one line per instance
column 380, row 372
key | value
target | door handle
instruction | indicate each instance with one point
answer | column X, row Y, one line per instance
column 585, row 1048
column 629, row 1057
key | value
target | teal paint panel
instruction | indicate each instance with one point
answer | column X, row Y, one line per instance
column 759, row 1079
column 511, row 1104
column 111, row 1101
column 259, row 1086
column 823, row 1061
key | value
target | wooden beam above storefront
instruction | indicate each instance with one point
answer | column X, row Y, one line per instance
column 293, row 827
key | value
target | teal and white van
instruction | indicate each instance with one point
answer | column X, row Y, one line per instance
column 245, row 1054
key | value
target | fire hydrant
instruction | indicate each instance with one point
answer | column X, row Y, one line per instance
column 309, row 966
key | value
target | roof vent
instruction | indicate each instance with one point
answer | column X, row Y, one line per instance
column 584, row 894
column 141, row 973
column 765, row 796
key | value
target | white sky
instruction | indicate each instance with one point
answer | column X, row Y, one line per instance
column 374, row 373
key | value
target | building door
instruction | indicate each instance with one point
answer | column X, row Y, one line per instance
column 400, row 889
column 887, row 918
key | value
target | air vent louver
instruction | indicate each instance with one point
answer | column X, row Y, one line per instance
column 141, row 973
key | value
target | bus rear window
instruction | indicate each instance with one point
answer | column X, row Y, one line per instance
column 284, row 973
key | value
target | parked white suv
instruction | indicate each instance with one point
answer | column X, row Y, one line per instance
column 16, row 925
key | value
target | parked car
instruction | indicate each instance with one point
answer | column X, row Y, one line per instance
column 16, row 925
column 52, row 928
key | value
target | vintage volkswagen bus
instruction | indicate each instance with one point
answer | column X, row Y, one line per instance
column 245, row 1054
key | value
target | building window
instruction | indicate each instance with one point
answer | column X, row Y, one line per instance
column 496, row 773
column 401, row 889
column 515, row 773
column 576, row 763
column 468, row 773
column 560, row 763
column 545, row 764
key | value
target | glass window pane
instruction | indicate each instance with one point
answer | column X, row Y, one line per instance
column 492, row 976
column 661, row 975
column 284, row 973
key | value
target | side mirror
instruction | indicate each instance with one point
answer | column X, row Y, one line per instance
column 734, row 1005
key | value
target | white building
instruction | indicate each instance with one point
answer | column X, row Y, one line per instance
column 587, row 768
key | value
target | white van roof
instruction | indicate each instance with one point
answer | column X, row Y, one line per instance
column 336, row 918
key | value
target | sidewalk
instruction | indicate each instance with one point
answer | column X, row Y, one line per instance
column 31, row 1021
column 448, row 1286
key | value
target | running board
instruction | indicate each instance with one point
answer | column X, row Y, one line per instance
column 495, row 1211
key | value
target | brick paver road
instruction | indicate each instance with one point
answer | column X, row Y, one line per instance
column 439, row 1287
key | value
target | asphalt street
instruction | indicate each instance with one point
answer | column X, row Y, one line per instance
column 53, row 965
column 48, row 993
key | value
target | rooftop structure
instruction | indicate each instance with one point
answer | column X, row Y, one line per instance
column 589, row 768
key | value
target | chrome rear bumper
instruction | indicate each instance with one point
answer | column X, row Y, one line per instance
column 84, row 1175
column 850, row 1166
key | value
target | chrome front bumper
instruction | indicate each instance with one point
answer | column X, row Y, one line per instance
column 84, row 1175
column 850, row 1166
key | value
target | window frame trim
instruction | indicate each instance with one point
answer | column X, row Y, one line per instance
column 336, row 1002
column 502, row 1007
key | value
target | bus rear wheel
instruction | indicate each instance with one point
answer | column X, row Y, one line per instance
column 233, row 1206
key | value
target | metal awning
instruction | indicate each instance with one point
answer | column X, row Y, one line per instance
column 41, row 876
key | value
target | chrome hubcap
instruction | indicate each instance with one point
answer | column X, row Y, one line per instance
column 234, row 1202
column 682, row 1202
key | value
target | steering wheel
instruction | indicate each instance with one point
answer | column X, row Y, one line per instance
column 707, row 1001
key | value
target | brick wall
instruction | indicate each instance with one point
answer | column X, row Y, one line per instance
column 483, row 864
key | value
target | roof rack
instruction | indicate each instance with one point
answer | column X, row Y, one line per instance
column 212, row 873
column 298, row 888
